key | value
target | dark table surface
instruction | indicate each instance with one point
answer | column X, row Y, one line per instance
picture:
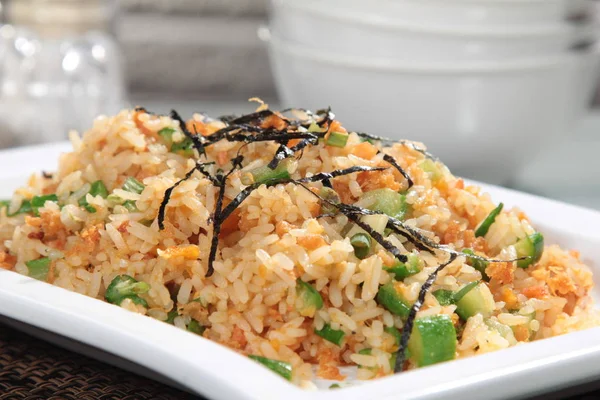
column 33, row 369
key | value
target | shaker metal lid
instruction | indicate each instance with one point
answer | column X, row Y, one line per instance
column 52, row 18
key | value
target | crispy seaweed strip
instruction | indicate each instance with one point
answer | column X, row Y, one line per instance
column 252, row 117
column 393, row 162
column 407, row 328
column 167, row 196
column 196, row 139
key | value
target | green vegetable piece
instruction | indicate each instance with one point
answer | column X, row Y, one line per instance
column 532, row 247
column 337, row 139
column 476, row 300
column 133, row 185
column 330, row 195
column 125, row 287
column 282, row 368
column 362, row 245
column 38, row 269
column 404, row 270
column 335, row 386
column 332, row 335
column 444, row 296
column 315, row 128
column 433, row 340
column 391, row 300
column 171, row 316
column 4, row 204
column 478, row 264
column 395, row 333
column 38, row 202
column 265, row 174
column 530, row 317
column 167, row 135
column 432, row 169
column 24, row 209
column 386, row 201
column 130, row 206
column 195, row 327
column 484, row 227
column 504, row 330
column 184, row 148
column 99, row 189
column 310, row 298
column 464, row 290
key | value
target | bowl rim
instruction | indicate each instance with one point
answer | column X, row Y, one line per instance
column 381, row 22
column 457, row 68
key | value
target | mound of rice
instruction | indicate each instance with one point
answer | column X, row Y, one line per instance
column 250, row 301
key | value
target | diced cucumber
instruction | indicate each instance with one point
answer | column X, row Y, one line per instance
column 464, row 290
column 532, row 247
column 530, row 317
column 484, row 227
column 432, row 169
column 433, row 340
column 404, row 270
column 336, row 139
column 504, row 330
column 310, row 299
column 386, row 201
column 393, row 301
column 477, row 300
column 38, row 269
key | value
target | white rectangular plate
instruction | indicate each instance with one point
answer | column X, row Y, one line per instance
column 216, row 372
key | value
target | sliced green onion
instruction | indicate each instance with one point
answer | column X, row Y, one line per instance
column 38, row 269
column 113, row 198
column 315, row 128
column 38, row 202
column 282, row 368
column 462, row 292
column 335, row 386
column 310, row 299
column 125, row 287
column 130, row 206
column 167, row 135
column 99, row 189
column 171, row 316
column 331, row 335
column 337, row 139
column 4, row 203
column 476, row 263
column 133, row 185
column 184, row 148
column 391, row 300
column 362, row 245
column 444, row 296
column 265, row 174
column 195, row 327
column 484, row 227
column 403, row 270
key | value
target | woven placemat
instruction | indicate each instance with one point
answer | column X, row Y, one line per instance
column 35, row 370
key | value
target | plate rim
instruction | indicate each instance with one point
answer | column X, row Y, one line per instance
column 74, row 316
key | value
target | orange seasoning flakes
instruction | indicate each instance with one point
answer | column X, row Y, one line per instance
column 311, row 241
column 502, row 272
column 274, row 121
column 328, row 361
column 371, row 180
column 238, row 338
column 283, row 227
column 7, row 261
column 188, row 252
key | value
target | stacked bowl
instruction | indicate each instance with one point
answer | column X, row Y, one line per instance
column 484, row 83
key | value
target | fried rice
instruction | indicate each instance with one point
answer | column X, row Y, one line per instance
column 250, row 296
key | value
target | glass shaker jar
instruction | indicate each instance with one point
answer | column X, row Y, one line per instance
column 59, row 68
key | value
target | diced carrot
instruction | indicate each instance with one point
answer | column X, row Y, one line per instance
column 364, row 150
column 536, row 292
column 230, row 224
column 196, row 127
column 336, row 126
column 371, row 180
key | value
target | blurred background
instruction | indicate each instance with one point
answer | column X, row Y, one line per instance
column 504, row 91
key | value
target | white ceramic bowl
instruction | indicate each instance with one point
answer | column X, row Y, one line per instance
column 483, row 119
column 349, row 31
column 451, row 13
